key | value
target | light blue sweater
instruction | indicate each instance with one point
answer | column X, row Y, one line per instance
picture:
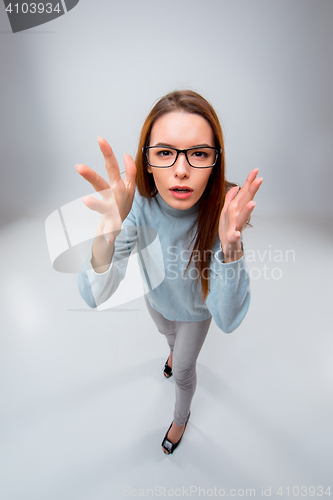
column 162, row 236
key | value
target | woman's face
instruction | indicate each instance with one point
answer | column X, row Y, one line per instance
column 181, row 130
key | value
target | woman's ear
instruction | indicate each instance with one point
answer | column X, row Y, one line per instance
column 149, row 169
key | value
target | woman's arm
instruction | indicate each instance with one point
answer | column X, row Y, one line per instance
column 97, row 287
column 115, row 206
column 229, row 296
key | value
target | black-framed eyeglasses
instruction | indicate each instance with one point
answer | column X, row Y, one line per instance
column 197, row 157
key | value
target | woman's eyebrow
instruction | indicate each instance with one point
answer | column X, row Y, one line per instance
column 164, row 144
column 205, row 145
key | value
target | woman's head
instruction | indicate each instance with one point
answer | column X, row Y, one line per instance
column 187, row 110
column 180, row 157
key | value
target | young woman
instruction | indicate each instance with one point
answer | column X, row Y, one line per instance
column 174, row 193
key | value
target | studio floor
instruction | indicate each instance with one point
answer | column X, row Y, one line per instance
column 85, row 405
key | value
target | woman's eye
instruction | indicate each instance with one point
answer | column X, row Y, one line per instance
column 164, row 152
column 199, row 154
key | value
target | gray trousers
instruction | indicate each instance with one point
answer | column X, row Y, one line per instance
column 185, row 340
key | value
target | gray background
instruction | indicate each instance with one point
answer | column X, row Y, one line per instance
column 265, row 66
column 85, row 405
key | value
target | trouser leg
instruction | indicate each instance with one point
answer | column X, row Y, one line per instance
column 185, row 340
column 164, row 326
column 189, row 339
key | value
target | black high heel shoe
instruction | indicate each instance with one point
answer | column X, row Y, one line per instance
column 170, row 447
column 167, row 370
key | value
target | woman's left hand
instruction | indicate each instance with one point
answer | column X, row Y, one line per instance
column 237, row 208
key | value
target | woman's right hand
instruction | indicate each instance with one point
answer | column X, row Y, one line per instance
column 117, row 194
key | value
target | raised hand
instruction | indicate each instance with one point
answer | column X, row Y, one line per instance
column 116, row 203
column 236, row 211
column 117, row 194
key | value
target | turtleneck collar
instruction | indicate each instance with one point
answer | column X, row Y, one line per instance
column 176, row 212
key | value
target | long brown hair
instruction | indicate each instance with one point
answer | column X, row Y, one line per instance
column 212, row 199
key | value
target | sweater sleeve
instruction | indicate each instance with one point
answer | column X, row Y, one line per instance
column 229, row 294
column 96, row 288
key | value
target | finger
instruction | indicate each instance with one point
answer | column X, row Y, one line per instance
column 248, row 191
column 97, row 182
column 233, row 235
column 231, row 194
column 244, row 215
column 252, row 175
column 102, row 207
column 250, row 178
column 111, row 163
column 130, row 169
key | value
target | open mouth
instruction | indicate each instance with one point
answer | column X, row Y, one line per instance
column 181, row 193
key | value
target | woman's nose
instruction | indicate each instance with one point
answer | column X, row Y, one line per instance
column 181, row 167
